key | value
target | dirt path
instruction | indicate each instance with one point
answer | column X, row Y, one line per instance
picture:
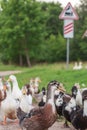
column 55, row 126
column 4, row 73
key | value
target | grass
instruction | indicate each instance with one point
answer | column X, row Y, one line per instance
column 48, row 72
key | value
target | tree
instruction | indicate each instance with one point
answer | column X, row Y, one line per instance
column 22, row 25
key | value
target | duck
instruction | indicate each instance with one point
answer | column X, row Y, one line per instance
column 78, row 66
column 8, row 105
column 40, row 118
column 26, row 99
column 34, row 83
column 75, row 67
column 2, row 90
column 2, row 93
column 43, row 100
column 79, row 120
column 61, row 101
column 16, row 91
column 2, row 80
column 84, row 93
column 81, row 91
column 76, row 91
column 31, row 83
column 29, row 94
column 70, row 108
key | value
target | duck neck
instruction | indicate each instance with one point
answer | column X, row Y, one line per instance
column 36, row 83
column 1, row 85
column 8, row 92
column 50, row 94
column 79, row 98
column 50, row 98
column 15, row 84
column 85, row 108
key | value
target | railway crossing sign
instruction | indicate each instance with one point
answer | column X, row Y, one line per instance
column 85, row 34
column 68, row 15
column 68, row 29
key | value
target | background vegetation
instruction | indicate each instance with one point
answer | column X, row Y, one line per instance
column 48, row 72
column 31, row 33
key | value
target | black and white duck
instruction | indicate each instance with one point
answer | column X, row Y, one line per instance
column 26, row 99
column 71, row 107
column 43, row 99
column 61, row 102
column 79, row 120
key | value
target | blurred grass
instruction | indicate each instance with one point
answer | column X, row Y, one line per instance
column 48, row 72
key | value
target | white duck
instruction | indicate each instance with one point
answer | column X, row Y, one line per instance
column 8, row 105
column 31, row 83
column 26, row 101
column 1, row 83
column 34, row 84
column 75, row 66
column 37, row 81
column 16, row 92
column 80, row 66
column 2, row 91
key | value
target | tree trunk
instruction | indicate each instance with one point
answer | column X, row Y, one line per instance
column 26, row 52
column 27, row 58
column 20, row 60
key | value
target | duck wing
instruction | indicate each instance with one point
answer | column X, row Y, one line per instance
column 21, row 114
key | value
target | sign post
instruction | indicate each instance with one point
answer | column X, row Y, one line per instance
column 67, row 61
column 69, row 15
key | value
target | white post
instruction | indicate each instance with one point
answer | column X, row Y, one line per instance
column 67, row 55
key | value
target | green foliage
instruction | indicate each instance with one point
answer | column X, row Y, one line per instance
column 31, row 32
column 27, row 25
column 53, row 50
column 22, row 21
column 48, row 72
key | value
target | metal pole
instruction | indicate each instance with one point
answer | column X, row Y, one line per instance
column 67, row 56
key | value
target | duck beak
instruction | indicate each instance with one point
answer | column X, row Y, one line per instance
column 39, row 81
column 62, row 89
column 24, row 92
column 3, row 79
column 9, row 80
column 4, row 87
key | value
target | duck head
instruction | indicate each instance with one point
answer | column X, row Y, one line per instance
column 71, row 105
column 74, row 91
column 59, row 99
column 12, row 78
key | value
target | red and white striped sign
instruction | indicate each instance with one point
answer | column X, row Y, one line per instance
column 68, row 28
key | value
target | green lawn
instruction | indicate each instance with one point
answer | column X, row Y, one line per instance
column 48, row 72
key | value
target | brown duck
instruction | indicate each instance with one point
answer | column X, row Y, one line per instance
column 40, row 118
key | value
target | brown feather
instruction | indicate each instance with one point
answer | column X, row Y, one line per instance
column 43, row 119
column 2, row 95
